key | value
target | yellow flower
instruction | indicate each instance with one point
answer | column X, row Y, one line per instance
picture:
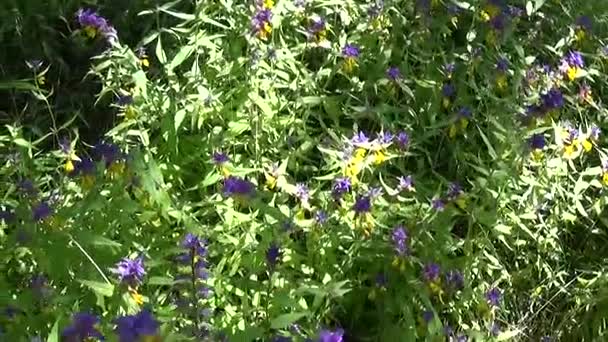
column 568, row 150
column 492, row 10
column 360, row 154
column 90, row 32
column 379, row 157
column 605, row 178
column 144, row 61
column 349, row 64
column 571, row 73
column 69, row 165
column 137, row 297
column 269, row 4
column 265, row 31
column 579, row 35
column 501, row 82
column 537, row 154
column 587, row 145
column 485, row 16
column 116, row 169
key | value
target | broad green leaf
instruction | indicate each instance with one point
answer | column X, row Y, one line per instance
column 181, row 56
column 286, row 320
column 179, row 118
column 104, row 289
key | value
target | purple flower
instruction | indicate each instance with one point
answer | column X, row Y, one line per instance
column 41, row 211
column 273, row 255
column 449, row 68
column 393, row 73
column 40, row 286
column 502, row 65
column 498, row 22
column 403, row 139
column 465, row 112
column 27, row 187
column 108, row 152
column 82, row 328
column 575, row 59
column 350, row 51
column 220, row 158
column 462, row 338
column 454, row 190
column 375, row 9
column 399, row 238
column 302, row 192
column 495, row 329
column 515, row 11
column 454, row 279
column 282, row 339
column 553, row 99
column 493, row 296
column 381, row 279
column 340, row 187
column 262, row 18
column 194, row 244
column 584, row 22
column 65, row 145
column 405, row 183
column 359, row 138
column 321, row 217
column 130, row 271
column 95, row 24
column 537, row 141
column 595, row 132
column 363, row 204
column 428, row 316
column 331, row 336
column 431, row 272
column 136, row 327
column 85, row 167
column 448, row 90
column 238, row 186
column 385, row 137
column 438, row 204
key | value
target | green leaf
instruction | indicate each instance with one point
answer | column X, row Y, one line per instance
column 160, row 54
column 181, row 56
column 507, row 335
column 285, row 320
column 160, row 281
column 22, row 142
column 179, row 118
column 104, row 289
column 54, row 334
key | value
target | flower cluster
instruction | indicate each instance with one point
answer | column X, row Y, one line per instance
column 261, row 23
column 95, row 25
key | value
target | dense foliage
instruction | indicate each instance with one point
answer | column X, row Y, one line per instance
column 327, row 170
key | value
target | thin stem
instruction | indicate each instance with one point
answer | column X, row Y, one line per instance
column 90, row 259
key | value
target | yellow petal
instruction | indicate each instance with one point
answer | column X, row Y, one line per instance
column 605, row 178
column 69, row 166
column 587, row 145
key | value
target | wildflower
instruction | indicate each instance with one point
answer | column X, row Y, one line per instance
column 95, row 25
column 571, row 64
column 385, row 138
column 428, row 316
column 220, row 158
column 108, row 152
column 321, row 217
column 493, row 296
column 399, row 237
column 34, row 64
column 462, row 338
column 537, row 141
column 502, row 65
column 27, row 187
column 139, row 327
column 405, row 183
column 273, row 255
column 302, row 192
column 130, row 271
column 454, row 279
column 605, row 172
column 350, row 53
column 362, row 205
column 438, row 204
column 40, row 286
column 584, row 93
column 393, row 73
column 448, row 69
column 462, row 121
column 583, row 25
column 495, row 329
column 317, row 31
column 331, row 336
column 238, row 187
column 403, row 139
column 454, row 191
column 193, row 243
column 553, row 99
column 261, row 23
column 340, row 187
column 431, row 272
column 595, row 132
column 448, row 91
column 379, row 157
column 41, row 211
column 381, row 279
column 359, row 138
column 82, row 328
